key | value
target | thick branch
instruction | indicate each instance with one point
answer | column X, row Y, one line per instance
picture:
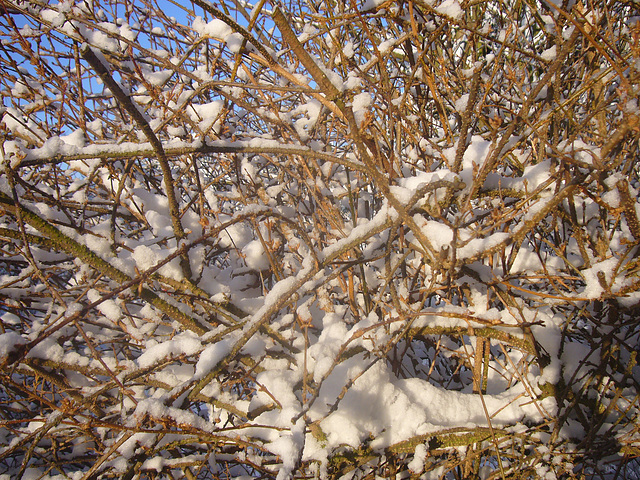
column 129, row 106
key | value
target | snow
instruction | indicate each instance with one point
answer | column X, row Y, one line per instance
column 549, row 54
column 421, row 179
column 386, row 46
column 593, row 288
column 215, row 28
column 236, row 235
column 475, row 153
column 205, row 115
column 184, row 344
column 417, row 464
column 8, row 344
column 536, row 175
column 211, row 356
column 54, row 17
column 581, row 151
column 254, row 255
column 349, row 52
column 234, row 42
column 476, row 246
column 371, row 4
column 528, row 261
column 98, row 244
column 288, row 447
column 353, row 81
column 439, row 235
column 451, row 8
column 549, row 336
column 392, row 410
column 147, row 257
column 461, row 103
column 361, row 232
column 156, row 409
column 108, row 307
column 158, row 78
column 98, row 40
column 144, row 257
column 311, row 111
column 47, row 349
column 158, row 463
column 323, row 352
column 128, row 148
column 360, row 105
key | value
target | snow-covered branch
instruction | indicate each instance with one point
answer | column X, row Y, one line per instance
column 314, row 239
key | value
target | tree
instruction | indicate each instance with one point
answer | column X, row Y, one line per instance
column 319, row 238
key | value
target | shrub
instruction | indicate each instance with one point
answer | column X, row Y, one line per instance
column 319, row 239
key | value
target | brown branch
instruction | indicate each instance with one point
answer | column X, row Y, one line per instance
column 126, row 102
